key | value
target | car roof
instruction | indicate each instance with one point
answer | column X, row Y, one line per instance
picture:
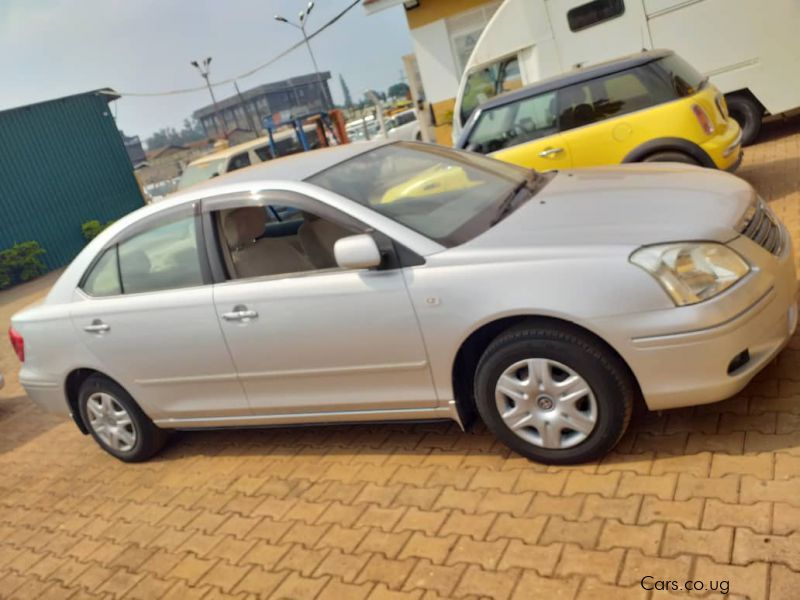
column 258, row 142
column 231, row 150
column 578, row 76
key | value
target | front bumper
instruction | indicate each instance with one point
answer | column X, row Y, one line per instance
column 689, row 361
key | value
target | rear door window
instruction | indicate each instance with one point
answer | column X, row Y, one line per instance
column 612, row 96
column 163, row 258
column 514, row 123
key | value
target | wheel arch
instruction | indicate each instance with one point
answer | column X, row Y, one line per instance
column 681, row 145
column 473, row 346
column 72, row 388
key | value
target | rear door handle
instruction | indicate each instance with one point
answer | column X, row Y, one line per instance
column 550, row 152
column 240, row 313
column 97, row 326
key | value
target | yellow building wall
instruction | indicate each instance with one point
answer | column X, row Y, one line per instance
column 429, row 11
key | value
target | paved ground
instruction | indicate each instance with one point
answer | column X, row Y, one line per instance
column 711, row 494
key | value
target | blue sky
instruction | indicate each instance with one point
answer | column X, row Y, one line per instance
column 52, row 48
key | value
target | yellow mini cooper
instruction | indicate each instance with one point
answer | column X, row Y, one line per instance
column 648, row 107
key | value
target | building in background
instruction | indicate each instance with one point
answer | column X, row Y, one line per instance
column 245, row 111
column 444, row 33
column 62, row 163
column 133, row 146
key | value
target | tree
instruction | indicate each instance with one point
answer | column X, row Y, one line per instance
column 169, row 136
column 348, row 99
column 399, row 90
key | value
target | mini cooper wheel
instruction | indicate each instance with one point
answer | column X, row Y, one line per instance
column 116, row 422
column 673, row 157
column 554, row 394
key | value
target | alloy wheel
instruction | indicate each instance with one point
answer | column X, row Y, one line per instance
column 111, row 422
column 546, row 403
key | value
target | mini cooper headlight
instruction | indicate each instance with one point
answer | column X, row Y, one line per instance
column 692, row 272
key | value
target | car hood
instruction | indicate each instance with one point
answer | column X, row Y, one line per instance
column 627, row 205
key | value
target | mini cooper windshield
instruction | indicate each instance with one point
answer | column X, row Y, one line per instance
column 448, row 196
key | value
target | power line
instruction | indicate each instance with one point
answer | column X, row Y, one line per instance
column 253, row 71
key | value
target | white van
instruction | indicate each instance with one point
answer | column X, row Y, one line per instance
column 750, row 49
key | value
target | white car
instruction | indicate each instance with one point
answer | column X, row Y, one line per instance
column 389, row 281
column 404, row 126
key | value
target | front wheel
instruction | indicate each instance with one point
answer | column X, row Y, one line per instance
column 116, row 422
column 554, row 394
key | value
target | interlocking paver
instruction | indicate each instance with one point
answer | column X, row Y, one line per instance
column 408, row 512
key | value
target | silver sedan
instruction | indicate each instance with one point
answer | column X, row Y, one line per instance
column 395, row 281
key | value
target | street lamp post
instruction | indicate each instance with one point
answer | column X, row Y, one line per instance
column 204, row 72
column 303, row 20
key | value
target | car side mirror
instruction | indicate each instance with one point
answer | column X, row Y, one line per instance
column 357, row 252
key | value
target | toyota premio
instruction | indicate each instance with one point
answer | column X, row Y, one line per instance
column 404, row 281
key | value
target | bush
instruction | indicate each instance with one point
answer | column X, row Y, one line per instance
column 91, row 229
column 21, row 263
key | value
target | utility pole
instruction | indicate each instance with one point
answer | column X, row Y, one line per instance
column 303, row 20
column 204, row 72
column 244, row 108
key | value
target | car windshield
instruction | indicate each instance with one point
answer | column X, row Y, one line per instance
column 201, row 172
column 446, row 195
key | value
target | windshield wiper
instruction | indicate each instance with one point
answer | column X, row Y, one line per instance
column 507, row 205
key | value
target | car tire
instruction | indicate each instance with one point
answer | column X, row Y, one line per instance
column 671, row 156
column 748, row 113
column 563, row 352
column 116, row 422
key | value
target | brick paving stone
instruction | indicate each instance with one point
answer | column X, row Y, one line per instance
column 637, row 565
column 434, row 548
column 749, row 546
column 542, row 559
column 486, row 584
column 750, row 580
column 716, row 543
column 755, row 516
column 485, row 554
column 533, row 585
column 602, row 564
column 439, row 578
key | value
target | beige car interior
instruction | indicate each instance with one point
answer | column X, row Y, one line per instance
column 250, row 255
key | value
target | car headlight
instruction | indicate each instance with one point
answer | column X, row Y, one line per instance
column 692, row 272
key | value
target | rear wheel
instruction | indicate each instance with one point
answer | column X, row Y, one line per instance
column 116, row 422
column 554, row 394
column 671, row 156
column 747, row 112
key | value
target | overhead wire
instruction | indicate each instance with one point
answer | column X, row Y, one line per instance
column 252, row 71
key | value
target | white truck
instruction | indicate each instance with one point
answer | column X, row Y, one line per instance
column 750, row 49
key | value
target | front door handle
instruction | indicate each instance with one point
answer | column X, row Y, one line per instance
column 550, row 152
column 240, row 313
column 97, row 326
